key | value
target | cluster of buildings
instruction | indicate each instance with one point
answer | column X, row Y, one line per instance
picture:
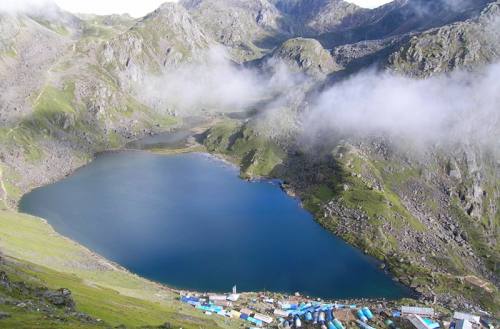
column 259, row 310
column 426, row 318
column 224, row 305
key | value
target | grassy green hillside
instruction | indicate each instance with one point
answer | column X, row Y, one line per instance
column 256, row 155
column 33, row 253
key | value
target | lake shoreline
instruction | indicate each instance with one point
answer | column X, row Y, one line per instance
column 193, row 145
column 121, row 160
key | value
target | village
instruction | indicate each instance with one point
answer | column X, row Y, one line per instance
column 273, row 310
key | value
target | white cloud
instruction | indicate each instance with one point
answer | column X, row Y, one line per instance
column 102, row 7
column 21, row 5
column 139, row 8
column 458, row 108
column 369, row 3
column 218, row 85
column 136, row 8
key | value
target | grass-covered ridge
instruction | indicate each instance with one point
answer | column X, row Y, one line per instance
column 257, row 155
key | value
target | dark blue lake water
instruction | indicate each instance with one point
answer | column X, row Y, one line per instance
column 189, row 221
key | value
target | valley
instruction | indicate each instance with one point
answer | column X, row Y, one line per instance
column 383, row 123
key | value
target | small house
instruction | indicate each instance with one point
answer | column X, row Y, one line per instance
column 466, row 316
column 418, row 322
column 263, row 318
column 420, row 311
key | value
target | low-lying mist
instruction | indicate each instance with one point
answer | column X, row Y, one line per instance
column 462, row 107
column 216, row 85
column 27, row 6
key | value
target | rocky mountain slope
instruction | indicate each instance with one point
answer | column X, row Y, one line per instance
column 157, row 42
column 70, row 89
column 305, row 55
column 250, row 28
column 404, row 16
column 319, row 16
column 460, row 45
column 246, row 27
column 466, row 44
column 70, row 96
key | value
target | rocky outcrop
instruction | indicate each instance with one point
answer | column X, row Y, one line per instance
column 364, row 53
column 306, row 55
column 61, row 297
column 52, row 304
